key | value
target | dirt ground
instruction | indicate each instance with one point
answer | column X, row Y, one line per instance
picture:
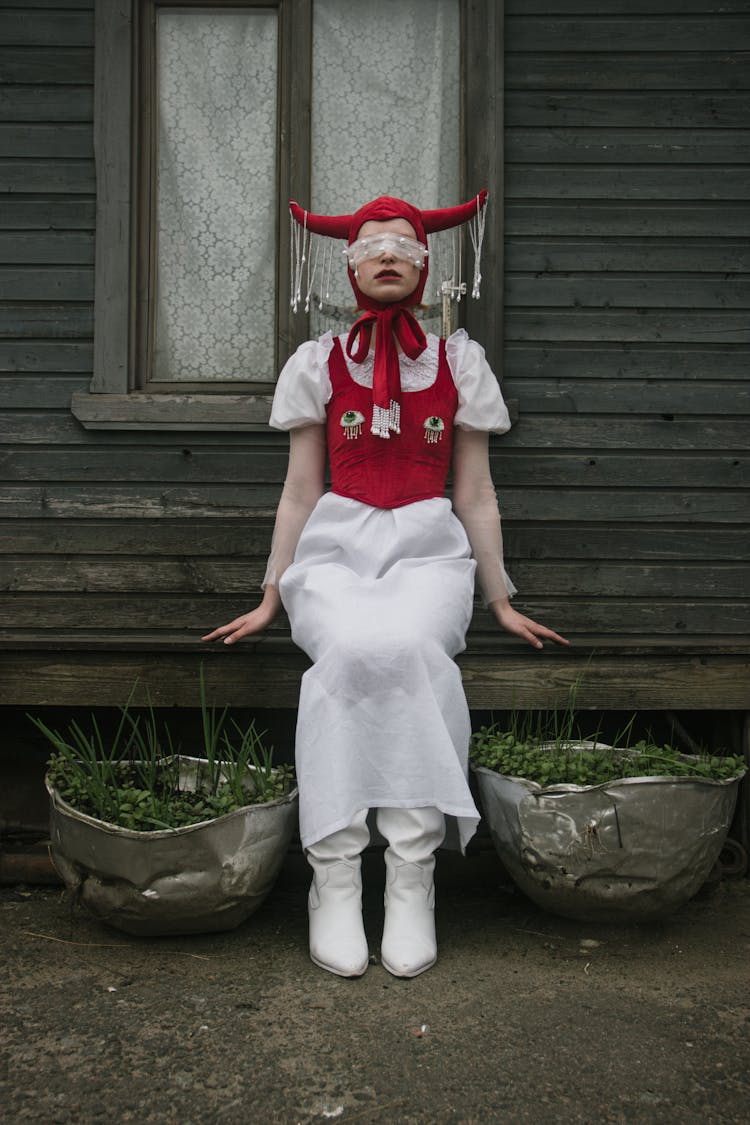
column 525, row 1018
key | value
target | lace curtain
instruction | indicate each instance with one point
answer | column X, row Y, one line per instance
column 385, row 120
column 385, row 116
column 216, row 195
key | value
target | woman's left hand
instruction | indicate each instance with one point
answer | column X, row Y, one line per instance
column 523, row 627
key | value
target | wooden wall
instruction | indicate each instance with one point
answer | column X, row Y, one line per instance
column 627, row 357
column 627, row 327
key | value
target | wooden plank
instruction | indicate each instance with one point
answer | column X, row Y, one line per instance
column 627, row 146
column 659, row 33
column 632, row 542
column 244, row 678
column 47, row 103
column 53, row 213
column 29, row 140
column 68, row 177
column 536, row 469
column 46, row 283
column 144, row 502
column 203, row 412
column 56, row 28
column 636, row 219
column 592, row 432
column 148, row 538
column 52, row 322
column 241, row 577
column 638, row 255
column 598, row 396
column 56, row 64
column 622, row 361
column 693, row 109
column 512, row 467
column 53, row 390
column 718, row 8
column 573, row 615
column 201, row 466
column 638, row 324
column 29, row 248
column 609, row 684
column 613, row 290
column 526, row 180
column 44, row 355
column 250, row 536
column 617, row 69
column 96, row 500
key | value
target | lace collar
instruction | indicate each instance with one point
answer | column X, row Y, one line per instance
column 416, row 374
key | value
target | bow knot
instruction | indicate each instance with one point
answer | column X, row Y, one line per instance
column 391, row 325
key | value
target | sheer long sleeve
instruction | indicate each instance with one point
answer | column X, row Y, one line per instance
column 303, row 487
column 475, row 504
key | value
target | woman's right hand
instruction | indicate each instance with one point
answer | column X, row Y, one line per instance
column 249, row 623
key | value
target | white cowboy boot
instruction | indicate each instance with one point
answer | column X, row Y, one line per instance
column 409, row 945
column 337, row 935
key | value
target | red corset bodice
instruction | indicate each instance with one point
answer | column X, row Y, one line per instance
column 409, row 466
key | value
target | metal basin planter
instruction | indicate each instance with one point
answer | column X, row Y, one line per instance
column 205, row 877
column 625, row 850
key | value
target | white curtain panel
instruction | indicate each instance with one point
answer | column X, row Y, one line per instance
column 385, row 116
column 216, row 194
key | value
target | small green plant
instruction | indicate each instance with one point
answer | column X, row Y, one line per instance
column 525, row 749
column 134, row 779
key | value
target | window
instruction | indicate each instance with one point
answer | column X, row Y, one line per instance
column 209, row 117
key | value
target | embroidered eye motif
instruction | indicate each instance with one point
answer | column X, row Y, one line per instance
column 351, row 421
column 433, row 429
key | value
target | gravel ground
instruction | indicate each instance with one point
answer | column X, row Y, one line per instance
column 525, row 1018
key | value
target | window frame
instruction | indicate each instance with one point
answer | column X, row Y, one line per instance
column 123, row 102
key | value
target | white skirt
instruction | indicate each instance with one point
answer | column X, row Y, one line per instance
column 380, row 600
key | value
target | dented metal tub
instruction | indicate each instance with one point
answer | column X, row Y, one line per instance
column 205, row 877
column 631, row 849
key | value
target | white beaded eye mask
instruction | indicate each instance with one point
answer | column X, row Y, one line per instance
column 399, row 245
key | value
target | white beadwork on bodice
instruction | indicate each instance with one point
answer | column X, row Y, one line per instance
column 416, row 374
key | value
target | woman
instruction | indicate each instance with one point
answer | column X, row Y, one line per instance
column 377, row 577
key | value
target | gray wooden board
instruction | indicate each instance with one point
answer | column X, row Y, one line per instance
column 214, row 536
column 47, row 103
column 705, row 109
column 617, row 360
column 641, row 256
column 592, row 432
column 607, row 34
column 242, row 576
column 589, row 184
column 575, row 613
column 61, row 140
column 54, row 64
column 100, row 500
column 515, row 467
column 588, row 290
column 247, row 678
column 55, row 29
column 30, row 248
column 627, row 146
column 595, row 217
column 52, row 213
column 64, row 176
column 620, row 69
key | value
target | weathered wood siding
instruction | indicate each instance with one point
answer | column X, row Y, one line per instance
column 627, row 356
column 627, row 331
